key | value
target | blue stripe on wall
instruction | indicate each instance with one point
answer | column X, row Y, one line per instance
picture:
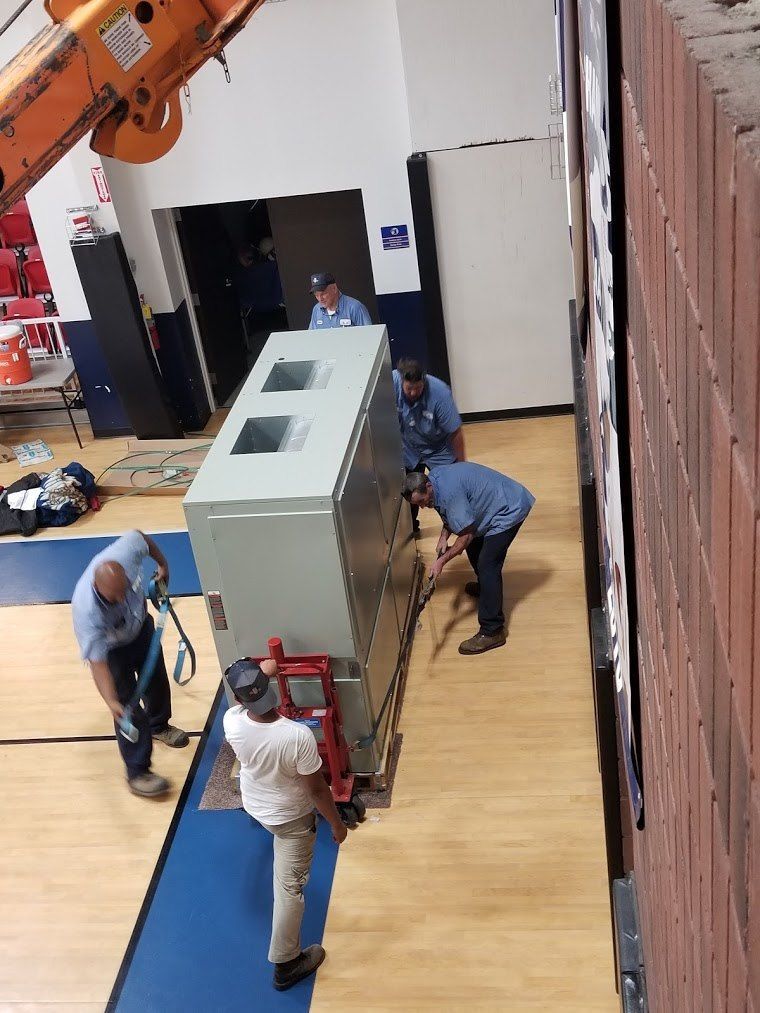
column 180, row 368
column 101, row 399
column 401, row 312
column 404, row 315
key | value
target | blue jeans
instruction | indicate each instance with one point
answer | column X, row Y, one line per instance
column 125, row 663
column 487, row 557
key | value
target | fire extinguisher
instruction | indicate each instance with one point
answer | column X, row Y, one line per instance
column 150, row 323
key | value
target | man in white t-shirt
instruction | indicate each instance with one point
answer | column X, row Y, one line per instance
column 281, row 784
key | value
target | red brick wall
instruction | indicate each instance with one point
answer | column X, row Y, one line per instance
column 691, row 138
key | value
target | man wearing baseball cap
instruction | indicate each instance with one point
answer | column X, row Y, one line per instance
column 281, row 784
column 333, row 308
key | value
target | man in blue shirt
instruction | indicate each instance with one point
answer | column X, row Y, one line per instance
column 334, row 309
column 258, row 279
column 431, row 429
column 114, row 632
column 485, row 510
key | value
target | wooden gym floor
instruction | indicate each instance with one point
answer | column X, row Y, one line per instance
column 482, row 888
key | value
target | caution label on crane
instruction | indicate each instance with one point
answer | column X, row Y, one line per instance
column 123, row 36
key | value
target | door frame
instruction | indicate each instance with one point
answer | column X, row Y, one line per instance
column 171, row 220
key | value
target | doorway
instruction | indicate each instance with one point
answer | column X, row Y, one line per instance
column 234, row 281
column 248, row 265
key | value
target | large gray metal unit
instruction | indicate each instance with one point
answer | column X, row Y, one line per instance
column 296, row 523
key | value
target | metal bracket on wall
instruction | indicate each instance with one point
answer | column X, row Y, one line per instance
column 557, row 150
column 555, row 95
column 630, row 956
column 82, row 228
column 556, row 128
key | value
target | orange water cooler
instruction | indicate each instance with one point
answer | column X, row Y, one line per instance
column 15, row 366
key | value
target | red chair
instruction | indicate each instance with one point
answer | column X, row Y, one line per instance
column 30, row 309
column 20, row 207
column 35, row 272
column 10, row 280
column 17, row 231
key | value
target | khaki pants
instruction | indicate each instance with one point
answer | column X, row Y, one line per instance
column 293, row 851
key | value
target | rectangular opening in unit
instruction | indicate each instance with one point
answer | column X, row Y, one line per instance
column 310, row 374
column 278, row 434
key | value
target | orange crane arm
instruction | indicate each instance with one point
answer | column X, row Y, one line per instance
column 112, row 67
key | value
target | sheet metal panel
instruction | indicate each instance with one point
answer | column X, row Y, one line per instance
column 363, row 541
column 281, row 576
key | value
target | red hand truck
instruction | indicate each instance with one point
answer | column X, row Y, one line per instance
column 328, row 719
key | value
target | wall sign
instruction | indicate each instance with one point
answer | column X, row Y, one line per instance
column 123, row 36
column 101, row 184
column 593, row 38
column 395, row 237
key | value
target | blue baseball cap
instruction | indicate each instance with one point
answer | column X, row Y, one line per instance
column 251, row 686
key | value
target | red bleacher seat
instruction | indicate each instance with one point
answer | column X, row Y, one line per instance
column 31, row 309
column 17, row 230
column 10, row 281
column 35, row 272
column 25, row 309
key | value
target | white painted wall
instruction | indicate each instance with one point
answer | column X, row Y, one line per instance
column 317, row 102
column 336, row 95
column 477, row 72
column 501, row 229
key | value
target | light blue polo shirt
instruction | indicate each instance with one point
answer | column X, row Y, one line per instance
column 99, row 625
column 427, row 424
column 469, row 495
column 349, row 313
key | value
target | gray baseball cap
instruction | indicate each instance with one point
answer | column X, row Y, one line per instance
column 251, row 686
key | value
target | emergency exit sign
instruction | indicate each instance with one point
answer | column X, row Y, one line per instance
column 101, row 184
column 395, row 237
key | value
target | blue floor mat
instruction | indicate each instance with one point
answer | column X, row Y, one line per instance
column 204, row 938
column 45, row 571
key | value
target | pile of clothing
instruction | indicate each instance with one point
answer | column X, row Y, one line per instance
column 47, row 500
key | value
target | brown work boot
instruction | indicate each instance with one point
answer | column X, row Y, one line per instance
column 472, row 588
column 172, row 736
column 292, row 971
column 148, row 784
column 483, row 642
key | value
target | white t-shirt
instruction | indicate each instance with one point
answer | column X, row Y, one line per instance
column 272, row 756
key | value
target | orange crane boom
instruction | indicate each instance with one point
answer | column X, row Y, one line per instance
column 111, row 67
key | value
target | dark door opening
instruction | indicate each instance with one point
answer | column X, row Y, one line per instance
column 322, row 232
column 220, row 247
column 249, row 263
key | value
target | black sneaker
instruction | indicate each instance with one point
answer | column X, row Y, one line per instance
column 472, row 588
column 292, row 971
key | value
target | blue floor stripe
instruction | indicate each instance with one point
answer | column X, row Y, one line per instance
column 45, row 571
column 203, row 944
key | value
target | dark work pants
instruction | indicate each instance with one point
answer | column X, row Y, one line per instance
column 421, row 468
column 125, row 663
column 487, row 557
